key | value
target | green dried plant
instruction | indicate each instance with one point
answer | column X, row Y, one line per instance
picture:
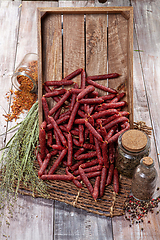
column 17, row 160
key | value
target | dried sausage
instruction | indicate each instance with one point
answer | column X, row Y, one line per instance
column 111, row 152
column 57, row 161
column 115, row 181
column 75, row 181
column 114, row 138
column 99, row 86
column 116, row 121
column 104, row 76
column 98, row 151
column 60, row 103
column 57, row 147
column 62, row 119
column 89, row 146
column 45, row 108
column 49, row 138
column 70, row 150
column 91, row 136
column 44, row 164
column 81, row 134
column 76, row 165
column 57, row 129
column 90, row 101
column 85, row 91
column 83, row 79
column 57, row 177
column 89, row 175
column 89, row 164
column 78, row 152
column 103, row 181
column 112, row 105
column 42, row 142
column 105, row 154
column 93, row 131
column 108, row 96
column 59, row 83
column 96, row 188
column 104, row 113
column 110, row 174
column 55, row 93
column 118, row 97
column 57, row 114
column 86, row 180
column 89, row 169
column 86, row 156
column 72, row 116
column 73, row 74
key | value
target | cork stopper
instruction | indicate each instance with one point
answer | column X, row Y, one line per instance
column 147, row 161
column 134, row 140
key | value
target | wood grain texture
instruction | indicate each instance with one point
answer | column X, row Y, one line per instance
column 52, row 47
column 27, row 41
column 141, row 113
column 72, row 223
column 88, row 3
column 120, row 58
column 73, row 44
column 147, row 22
column 32, row 219
column 96, row 46
column 9, row 19
column 51, row 34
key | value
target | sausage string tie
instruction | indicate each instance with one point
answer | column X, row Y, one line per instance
column 76, row 200
column 113, row 203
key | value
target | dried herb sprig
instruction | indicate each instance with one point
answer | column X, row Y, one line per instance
column 17, row 160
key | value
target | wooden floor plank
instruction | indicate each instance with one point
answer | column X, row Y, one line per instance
column 32, row 219
column 72, row 223
column 141, row 113
column 147, row 23
column 9, row 19
column 27, row 41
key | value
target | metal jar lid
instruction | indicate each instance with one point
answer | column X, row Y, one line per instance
column 134, row 140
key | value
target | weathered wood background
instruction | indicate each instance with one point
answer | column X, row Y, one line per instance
column 41, row 219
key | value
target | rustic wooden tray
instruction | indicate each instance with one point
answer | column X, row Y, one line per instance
column 98, row 39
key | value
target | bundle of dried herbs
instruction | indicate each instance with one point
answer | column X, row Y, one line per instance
column 17, row 160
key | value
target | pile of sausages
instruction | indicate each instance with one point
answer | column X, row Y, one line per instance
column 81, row 132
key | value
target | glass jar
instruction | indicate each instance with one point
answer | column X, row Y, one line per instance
column 26, row 74
column 133, row 145
column 144, row 180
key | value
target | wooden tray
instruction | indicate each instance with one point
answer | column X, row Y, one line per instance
column 98, row 39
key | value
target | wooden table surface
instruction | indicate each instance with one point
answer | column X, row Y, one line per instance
column 42, row 219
